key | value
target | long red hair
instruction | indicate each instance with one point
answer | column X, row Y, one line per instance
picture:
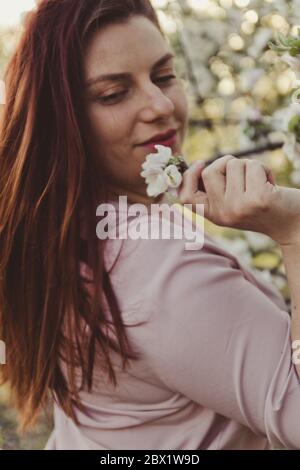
column 48, row 177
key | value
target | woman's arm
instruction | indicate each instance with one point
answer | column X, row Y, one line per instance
column 291, row 259
column 242, row 194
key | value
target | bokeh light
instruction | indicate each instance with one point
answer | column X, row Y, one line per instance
column 11, row 11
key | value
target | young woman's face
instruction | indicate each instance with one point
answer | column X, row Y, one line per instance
column 129, row 110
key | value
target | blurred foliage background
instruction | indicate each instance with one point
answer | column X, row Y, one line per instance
column 241, row 94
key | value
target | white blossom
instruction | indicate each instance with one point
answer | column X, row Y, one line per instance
column 156, row 161
column 295, row 177
column 264, row 274
column 249, row 77
column 293, row 62
column 279, row 281
column 259, row 42
column 281, row 118
column 258, row 241
column 157, row 184
column 250, row 114
column 291, row 147
column 174, row 175
column 238, row 247
column 160, row 171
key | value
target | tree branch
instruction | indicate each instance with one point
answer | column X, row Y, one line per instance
column 244, row 153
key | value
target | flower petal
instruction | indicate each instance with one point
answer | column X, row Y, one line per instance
column 158, row 186
column 174, row 176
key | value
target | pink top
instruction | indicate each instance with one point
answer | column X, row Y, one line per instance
column 216, row 370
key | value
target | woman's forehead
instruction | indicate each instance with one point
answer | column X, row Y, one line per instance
column 119, row 46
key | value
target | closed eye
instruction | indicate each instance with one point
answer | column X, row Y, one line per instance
column 166, row 78
column 116, row 96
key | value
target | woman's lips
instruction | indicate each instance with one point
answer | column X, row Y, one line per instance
column 167, row 143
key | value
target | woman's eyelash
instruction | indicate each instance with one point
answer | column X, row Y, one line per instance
column 111, row 97
column 166, row 78
column 114, row 96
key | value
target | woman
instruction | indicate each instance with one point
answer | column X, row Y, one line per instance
column 211, row 355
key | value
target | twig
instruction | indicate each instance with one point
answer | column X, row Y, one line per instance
column 208, row 123
column 244, row 153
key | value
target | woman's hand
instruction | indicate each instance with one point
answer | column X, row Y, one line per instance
column 242, row 194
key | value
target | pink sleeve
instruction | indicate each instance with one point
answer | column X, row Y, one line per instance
column 220, row 337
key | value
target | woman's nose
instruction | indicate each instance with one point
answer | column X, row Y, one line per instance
column 156, row 104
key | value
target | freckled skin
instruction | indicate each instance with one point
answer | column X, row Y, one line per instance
column 148, row 107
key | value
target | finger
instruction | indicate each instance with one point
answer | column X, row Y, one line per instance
column 189, row 192
column 256, row 176
column 221, row 163
column 214, row 177
column 190, row 179
column 235, row 178
column 199, row 203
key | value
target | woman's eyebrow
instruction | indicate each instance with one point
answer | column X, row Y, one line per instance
column 122, row 76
